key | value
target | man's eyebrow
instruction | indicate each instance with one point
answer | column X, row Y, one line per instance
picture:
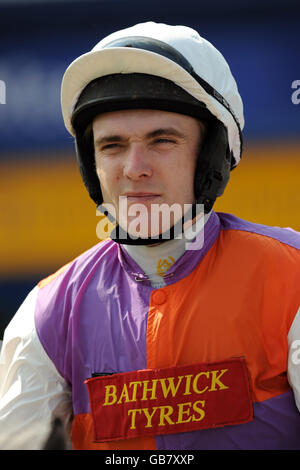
column 165, row 131
column 109, row 138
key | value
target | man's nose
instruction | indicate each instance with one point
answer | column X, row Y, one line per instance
column 137, row 164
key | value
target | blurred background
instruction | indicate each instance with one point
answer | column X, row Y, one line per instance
column 46, row 216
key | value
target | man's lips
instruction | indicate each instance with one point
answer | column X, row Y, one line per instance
column 140, row 196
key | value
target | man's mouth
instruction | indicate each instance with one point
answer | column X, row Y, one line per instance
column 141, row 197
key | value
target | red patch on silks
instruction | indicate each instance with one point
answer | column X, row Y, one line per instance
column 170, row 400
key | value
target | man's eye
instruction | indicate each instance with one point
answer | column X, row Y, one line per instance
column 109, row 146
column 164, row 141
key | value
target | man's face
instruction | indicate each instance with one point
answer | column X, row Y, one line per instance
column 146, row 158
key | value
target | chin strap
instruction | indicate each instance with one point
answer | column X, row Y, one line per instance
column 120, row 236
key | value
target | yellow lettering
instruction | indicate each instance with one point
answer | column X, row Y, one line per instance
column 124, row 395
column 149, row 416
column 182, row 412
column 195, row 385
column 198, row 410
column 165, row 412
column 133, row 413
column 151, row 389
column 110, row 392
column 171, row 387
column 216, row 380
column 188, row 385
column 135, row 384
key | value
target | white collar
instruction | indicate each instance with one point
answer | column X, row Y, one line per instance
column 155, row 260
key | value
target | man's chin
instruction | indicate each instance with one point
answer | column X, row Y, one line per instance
column 166, row 223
